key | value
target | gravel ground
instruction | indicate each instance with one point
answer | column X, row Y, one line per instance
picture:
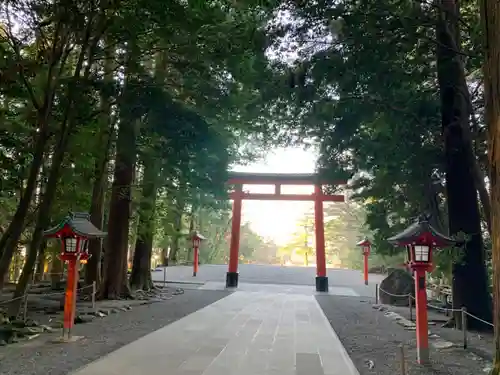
column 479, row 343
column 101, row 336
column 370, row 336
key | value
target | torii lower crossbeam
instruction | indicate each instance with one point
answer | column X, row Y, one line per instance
column 287, row 197
column 238, row 180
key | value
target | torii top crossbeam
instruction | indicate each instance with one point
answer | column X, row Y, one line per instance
column 245, row 178
column 238, row 179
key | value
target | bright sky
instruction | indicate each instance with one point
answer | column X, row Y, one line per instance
column 277, row 220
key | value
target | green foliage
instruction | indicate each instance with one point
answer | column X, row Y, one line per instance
column 191, row 82
column 205, row 85
column 365, row 83
column 344, row 227
column 301, row 243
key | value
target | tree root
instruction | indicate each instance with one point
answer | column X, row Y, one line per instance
column 127, row 292
column 145, row 285
column 124, row 293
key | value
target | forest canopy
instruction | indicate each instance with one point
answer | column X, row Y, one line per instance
column 134, row 111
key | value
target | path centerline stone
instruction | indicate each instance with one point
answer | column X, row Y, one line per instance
column 246, row 333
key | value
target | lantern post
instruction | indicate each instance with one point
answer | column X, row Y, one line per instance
column 196, row 238
column 74, row 233
column 366, row 248
column 420, row 239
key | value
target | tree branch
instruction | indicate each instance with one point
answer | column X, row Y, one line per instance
column 11, row 40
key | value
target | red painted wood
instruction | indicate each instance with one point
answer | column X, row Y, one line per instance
column 365, row 269
column 320, row 231
column 235, row 231
column 421, row 313
column 291, row 181
column 70, row 296
column 287, row 197
column 318, row 198
column 195, row 260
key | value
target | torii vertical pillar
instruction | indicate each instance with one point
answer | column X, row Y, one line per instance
column 321, row 278
column 232, row 274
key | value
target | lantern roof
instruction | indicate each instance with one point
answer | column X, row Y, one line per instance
column 421, row 232
column 77, row 223
column 364, row 242
column 196, row 234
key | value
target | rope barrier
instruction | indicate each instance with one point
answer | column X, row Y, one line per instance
column 12, row 300
column 436, row 307
column 394, row 295
column 43, row 294
column 443, row 308
column 481, row 320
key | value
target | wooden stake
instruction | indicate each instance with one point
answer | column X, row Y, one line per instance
column 410, row 304
column 464, row 326
column 94, row 291
column 402, row 358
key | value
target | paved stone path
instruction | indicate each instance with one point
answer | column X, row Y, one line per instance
column 246, row 333
column 277, row 275
column 280, row 288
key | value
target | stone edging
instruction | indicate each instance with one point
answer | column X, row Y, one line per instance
column 435, row 340
column 16, row 331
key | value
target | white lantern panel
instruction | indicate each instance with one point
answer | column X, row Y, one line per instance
column 70, row 244
column 421, row 253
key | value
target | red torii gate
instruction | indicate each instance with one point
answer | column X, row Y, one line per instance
column 238, row 179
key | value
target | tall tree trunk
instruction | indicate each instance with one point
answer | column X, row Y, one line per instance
column 43, row 219
column 18, row 262
column 470, row 283
column 484, row 195
column 40, row 266
column 93, row 267
column 57, row 59
column 115, row 283
column 62, row 48
column 177, row 214
column 67, row 125
column 134, row 221
column 10, row 238
column 490, row 17
column 140, row 277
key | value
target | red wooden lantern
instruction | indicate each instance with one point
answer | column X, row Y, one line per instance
column 196, row 238
column 74, row 232
column 419, row 239
column 366, row 247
